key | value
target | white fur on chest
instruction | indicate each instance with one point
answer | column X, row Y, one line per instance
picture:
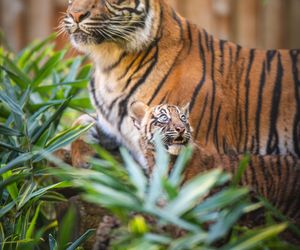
column 108, row 116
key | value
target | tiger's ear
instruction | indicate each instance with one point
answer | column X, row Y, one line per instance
column 186, row 110
column 137, row 112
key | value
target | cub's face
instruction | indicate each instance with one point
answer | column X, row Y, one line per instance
column 169, row 121
column 91, row 22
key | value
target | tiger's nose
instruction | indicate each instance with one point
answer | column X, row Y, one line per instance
column 180, row 129
column 79, row 15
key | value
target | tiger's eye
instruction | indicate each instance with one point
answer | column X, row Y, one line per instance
column 163, row 119
column 183, row 118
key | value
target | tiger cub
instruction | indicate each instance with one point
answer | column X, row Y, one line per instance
column 169, row 121
column 274, row 177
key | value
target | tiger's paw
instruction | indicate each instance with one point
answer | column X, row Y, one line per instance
column 82, row 148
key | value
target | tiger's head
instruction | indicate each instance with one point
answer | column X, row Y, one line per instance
column 128, row 23
column 169, row 121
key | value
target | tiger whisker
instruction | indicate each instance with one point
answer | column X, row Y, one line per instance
column 113, row 21
column 120, row 34
column 121, row 31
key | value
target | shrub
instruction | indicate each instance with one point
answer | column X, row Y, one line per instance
column 37, row 86
column 149, row 210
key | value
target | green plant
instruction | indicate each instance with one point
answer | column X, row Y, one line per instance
column 202, row 222
column 39, row 89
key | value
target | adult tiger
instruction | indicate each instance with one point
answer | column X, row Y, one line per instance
column 241, row 99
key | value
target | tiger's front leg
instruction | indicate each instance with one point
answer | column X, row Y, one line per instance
column 82, row 149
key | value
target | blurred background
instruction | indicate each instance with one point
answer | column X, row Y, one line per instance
column 251, row 23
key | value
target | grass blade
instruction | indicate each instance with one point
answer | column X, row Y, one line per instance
column 53, row 118
column 12, row 188
column 16, row 162
column 9, row 131
column 29, row 232
column 15, row 107
column 52, row 243
column 193, row 191
column 244, row 163
column 48, row 67
column 4, row 210
column 136, row 174
column 250, row 242
column 88, row 234
column 10, row 147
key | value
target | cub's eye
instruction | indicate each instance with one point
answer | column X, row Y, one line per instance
column 163, row 119
column 183, row 118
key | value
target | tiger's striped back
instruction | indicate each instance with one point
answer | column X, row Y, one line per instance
column 274, row 177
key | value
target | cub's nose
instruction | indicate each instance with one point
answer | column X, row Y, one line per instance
column 79, row 15
column 180, row 129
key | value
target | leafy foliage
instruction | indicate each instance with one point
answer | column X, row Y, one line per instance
column 147, row 208
column 37, row 86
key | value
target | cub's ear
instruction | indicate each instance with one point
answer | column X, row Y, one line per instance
column 186, row 110
column 137, row 111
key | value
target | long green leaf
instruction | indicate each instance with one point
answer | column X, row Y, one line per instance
column 48, row 67
column 85, row 72
column 136, row 174
column 12, row 76
column 9, row 131
column 189, row 242
column 12, row 188
column 193, row 191
column 226, row 219
column 10, row 65
column 109, row 196
column 81, row 103
column 28, row 52
column 244, row 163
column 160, row 171
column 221, row 199
column 176, row 220
column 16, row 162
column 15, row 107
column 73, row 69
column 74, row 84
column 44, row 190
column 88, row 234
column 61, row 140
column 53, row 118
column 4, row 210
column 10, row 147
column 250, row 242
column 52, row 243
column 65, row 230
column 25, row 196
column 183, row 158
column 29, row 232
column 13, row 179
